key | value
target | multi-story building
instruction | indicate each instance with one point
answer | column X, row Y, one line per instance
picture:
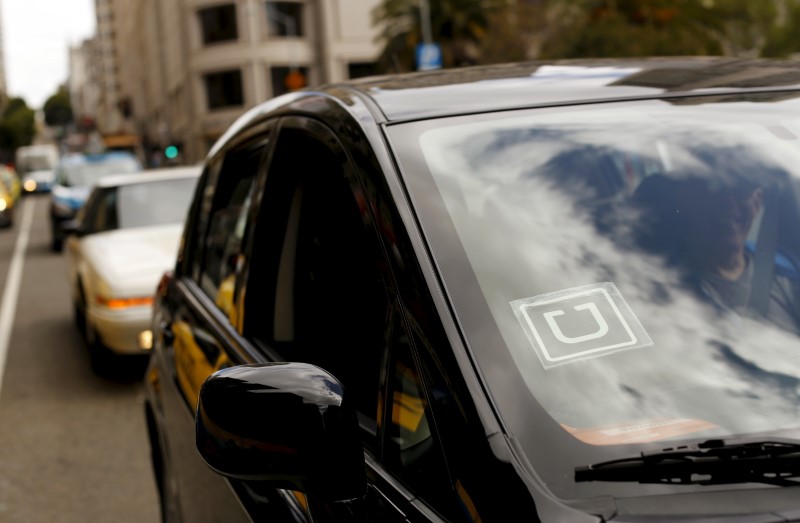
column 109, row 113
column 83, row 80
column 188, row 68
column 3, row 85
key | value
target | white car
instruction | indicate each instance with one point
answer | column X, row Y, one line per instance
column 119, row 245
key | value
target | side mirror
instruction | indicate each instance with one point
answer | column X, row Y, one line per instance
column 72, row 227
column 288, row 424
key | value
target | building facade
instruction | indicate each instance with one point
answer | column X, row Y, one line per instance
column 3, row 84
column 186, row 69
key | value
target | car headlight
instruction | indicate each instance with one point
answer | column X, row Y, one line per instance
column 3, row 204
column 29, row 185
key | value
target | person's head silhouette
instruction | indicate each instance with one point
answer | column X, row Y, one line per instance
column 700, row 222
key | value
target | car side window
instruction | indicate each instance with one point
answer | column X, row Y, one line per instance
column 221, row 246
column 411, row 448
column 314, row 290
column 105, row 216
column 100, row 212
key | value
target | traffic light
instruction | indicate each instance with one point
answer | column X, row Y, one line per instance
column 171, row 152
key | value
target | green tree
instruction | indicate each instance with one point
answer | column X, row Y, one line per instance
column 782, row 40
column 613, row 28
column 58, row 108
column 458, row 26
column 17, row 126
column 610, row 28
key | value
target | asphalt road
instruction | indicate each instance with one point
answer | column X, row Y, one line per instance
column 73, row 446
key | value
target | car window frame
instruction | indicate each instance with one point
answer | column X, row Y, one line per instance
column 197, row 223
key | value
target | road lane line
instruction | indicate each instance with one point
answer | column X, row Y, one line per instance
column 8, row 307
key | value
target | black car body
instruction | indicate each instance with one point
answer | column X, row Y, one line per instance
column 494, row 290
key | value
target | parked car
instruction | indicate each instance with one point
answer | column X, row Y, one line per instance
column 530, row 292
column 38, row 181
column 123, row 239
column 75, row 176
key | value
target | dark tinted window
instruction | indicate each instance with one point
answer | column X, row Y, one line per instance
column 285, row 18
column 218, row 23
column 224, row 89
column 411, row 443
column 101, row 212
column 227, row 221
column 314, row 291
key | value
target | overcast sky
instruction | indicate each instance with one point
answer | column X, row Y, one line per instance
column 36, row 38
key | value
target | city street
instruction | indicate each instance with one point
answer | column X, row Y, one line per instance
column 73, row 445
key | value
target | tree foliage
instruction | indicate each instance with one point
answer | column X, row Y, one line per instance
column 492, row 31
column 58, row 108
column 458, row 26
column 17, row 126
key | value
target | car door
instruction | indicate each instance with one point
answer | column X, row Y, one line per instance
column 319, row 289
column 198, row 317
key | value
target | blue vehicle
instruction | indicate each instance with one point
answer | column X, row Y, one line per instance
column 74, row 178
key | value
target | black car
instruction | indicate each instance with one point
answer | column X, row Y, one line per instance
column 531, row 292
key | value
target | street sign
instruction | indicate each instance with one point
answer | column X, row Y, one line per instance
column 429, row 56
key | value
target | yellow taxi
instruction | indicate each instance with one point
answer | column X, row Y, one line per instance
column 7, row 202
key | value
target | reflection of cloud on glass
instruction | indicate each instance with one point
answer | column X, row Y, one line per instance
column 601, row 75
column 527, row 219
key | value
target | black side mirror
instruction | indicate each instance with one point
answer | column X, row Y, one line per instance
column 283, row 423
column 72, row 227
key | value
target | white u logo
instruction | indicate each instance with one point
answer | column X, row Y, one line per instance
column 559, row 334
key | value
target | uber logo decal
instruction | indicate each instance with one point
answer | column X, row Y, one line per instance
column 580, row 323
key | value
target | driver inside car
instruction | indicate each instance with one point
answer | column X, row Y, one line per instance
column 712, row 228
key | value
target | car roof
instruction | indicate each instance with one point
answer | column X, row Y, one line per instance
column 478, row 89
column 150, row 176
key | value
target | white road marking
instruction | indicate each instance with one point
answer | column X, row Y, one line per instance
column 8, row 307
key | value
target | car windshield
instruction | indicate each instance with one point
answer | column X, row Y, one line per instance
column 626, row 275
column 37, row 163
column 87, row 173
column 154, row 203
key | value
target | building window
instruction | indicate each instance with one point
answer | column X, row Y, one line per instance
column 285, row 18
column 218, row 23
column 224, row 89
column 286, row 79
column 361, row 69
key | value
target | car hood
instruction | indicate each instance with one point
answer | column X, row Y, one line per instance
column 131, row 261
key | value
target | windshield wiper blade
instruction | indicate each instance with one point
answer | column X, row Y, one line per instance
column 712, row 462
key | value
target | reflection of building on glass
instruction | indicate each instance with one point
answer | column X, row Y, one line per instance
column 725, row 234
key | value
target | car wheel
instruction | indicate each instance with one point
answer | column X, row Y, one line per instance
column 101, row 358
column 57, row 243
column 79, row 314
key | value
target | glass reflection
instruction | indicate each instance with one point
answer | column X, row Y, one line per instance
column 691, row 211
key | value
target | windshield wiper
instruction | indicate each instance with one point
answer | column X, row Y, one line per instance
column 712, row 462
